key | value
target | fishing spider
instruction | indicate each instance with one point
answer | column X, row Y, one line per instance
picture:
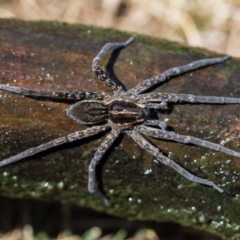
column 128, row 112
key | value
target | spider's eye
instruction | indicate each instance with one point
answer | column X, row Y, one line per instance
column 88, row 112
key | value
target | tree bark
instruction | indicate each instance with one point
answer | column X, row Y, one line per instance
column 54, row 56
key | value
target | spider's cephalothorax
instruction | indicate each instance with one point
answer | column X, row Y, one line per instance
column 131, row 112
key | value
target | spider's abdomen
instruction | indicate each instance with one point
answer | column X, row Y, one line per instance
column 125, row 113
column 89, row 112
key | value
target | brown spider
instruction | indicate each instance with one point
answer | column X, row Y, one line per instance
column 128, row 112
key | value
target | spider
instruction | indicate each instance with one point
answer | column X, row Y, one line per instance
column 132, row 112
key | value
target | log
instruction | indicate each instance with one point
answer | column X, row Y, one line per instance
column 55, row 56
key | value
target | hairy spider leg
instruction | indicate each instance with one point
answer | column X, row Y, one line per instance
column 167, row 135
column 174, row 98
column 56, row 142
column 146, row 145
column 101, row 74
column 176, row 71
column 76, row 95
column 105, row 145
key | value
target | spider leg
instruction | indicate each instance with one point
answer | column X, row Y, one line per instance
column 171, row 97
column 101, row 74
column 56, row 142
column 145, row 144
column 162, row 134
column 52, row 95
column 176, row 71
column 105, row 145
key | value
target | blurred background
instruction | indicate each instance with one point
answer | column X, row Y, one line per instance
column 212, row 24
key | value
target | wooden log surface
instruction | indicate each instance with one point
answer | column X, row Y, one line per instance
column 53, row 56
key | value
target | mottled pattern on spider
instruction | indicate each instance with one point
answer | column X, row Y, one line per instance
column 130, row 112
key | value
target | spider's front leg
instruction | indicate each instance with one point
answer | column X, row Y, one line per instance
column 101, row 74
column 145, row 144
column 176, row 71
column 105, row 145
column 167, row 135
column 151, row 98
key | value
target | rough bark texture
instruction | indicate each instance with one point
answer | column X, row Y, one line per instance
column 55, row 56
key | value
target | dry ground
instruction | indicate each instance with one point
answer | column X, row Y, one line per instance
column 212, row 24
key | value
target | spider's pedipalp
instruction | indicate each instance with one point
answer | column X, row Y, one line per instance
column 156, row 123
column 167, row 135
column 52, row 95
column 175, row 71
column 56, row 142
column 105, row 145
column 145, row 144
column 161, row 105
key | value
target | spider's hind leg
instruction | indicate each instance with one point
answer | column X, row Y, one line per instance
column 54, row 143
column 64, row 95
column 101, row 74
